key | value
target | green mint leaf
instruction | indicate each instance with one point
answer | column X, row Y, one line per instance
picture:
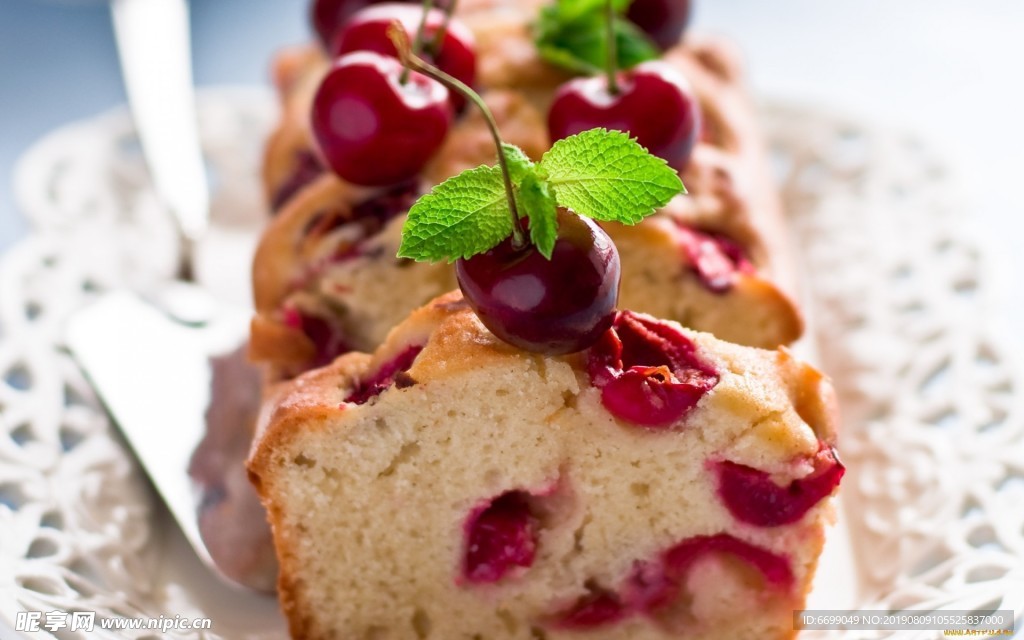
column 459, row 218
column 633, row 45
column 519, row 164
column 606, row 175
column 538, row 203
column 572, row 34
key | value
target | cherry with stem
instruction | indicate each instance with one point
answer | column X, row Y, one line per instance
column 652, row 102
column 421, row 33
column 554, row 305
column 414, row 62
column 438, row 36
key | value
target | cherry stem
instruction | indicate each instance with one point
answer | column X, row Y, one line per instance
column 411, row 61
column 612, row 67
column 417, row 44
column 438, row 41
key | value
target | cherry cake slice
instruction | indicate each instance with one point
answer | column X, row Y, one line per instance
column 449, row 471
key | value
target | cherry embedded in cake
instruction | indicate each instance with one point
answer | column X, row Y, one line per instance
column 305, row 168
column 391, row 373
column 327, row 338
column 501, row 536
column 753, row 497
column 716, row 259
column 649, row 372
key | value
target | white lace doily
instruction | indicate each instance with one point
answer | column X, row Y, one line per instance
column 934, row 441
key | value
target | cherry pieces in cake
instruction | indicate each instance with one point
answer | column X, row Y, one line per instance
column 598, row 608
column 714, row 258
column 389, row 373
column 368, row 31
column 306, row 168
column 500, row 536
column 663, row 20
column 654, row 104
column 371, row 128
column 648, row 371
column 752, row 497
column 555, row 306
column 655, row 587
column 329, row 341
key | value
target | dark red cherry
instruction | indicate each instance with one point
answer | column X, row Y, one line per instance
column 371, row 128
column 552, row 306
column 306, row 167
column 660, row 585
column 500, row 536
column 717, row 260
column 663, row 20
column 753, row 497
column 367, row 30
column 328, row 16
column 598, row 608
column 654, row 104
column 328, row 337
column 388, row 374
column 649, row 373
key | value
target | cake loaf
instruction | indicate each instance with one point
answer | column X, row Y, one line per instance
column 449, row 485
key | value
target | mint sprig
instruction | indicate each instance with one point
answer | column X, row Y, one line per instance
column 601, row 174
column 572, row 34
column 458, row 217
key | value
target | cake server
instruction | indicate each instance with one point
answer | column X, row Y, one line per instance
column 150, row 356
column 152, row 371
column 154, row 47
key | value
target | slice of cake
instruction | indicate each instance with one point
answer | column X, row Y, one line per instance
column 660, row 483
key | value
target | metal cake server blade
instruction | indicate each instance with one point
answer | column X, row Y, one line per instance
column 152, row 371
column 151, row 355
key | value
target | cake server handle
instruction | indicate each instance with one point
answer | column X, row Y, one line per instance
column 154, row 47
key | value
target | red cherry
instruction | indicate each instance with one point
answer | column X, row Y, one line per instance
column 654, row 104
column 373, row 130
column 500, row 536
column 328, row 15
column 367, row 30
column 328, row 337
column 658, row 586
column 717, row 260
column 753, row 497
column 552, row 306
column 598, row 608
column 387, row 375
column 663, row 20
column 649, row 373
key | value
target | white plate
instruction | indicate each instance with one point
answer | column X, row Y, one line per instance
column 932, row 514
